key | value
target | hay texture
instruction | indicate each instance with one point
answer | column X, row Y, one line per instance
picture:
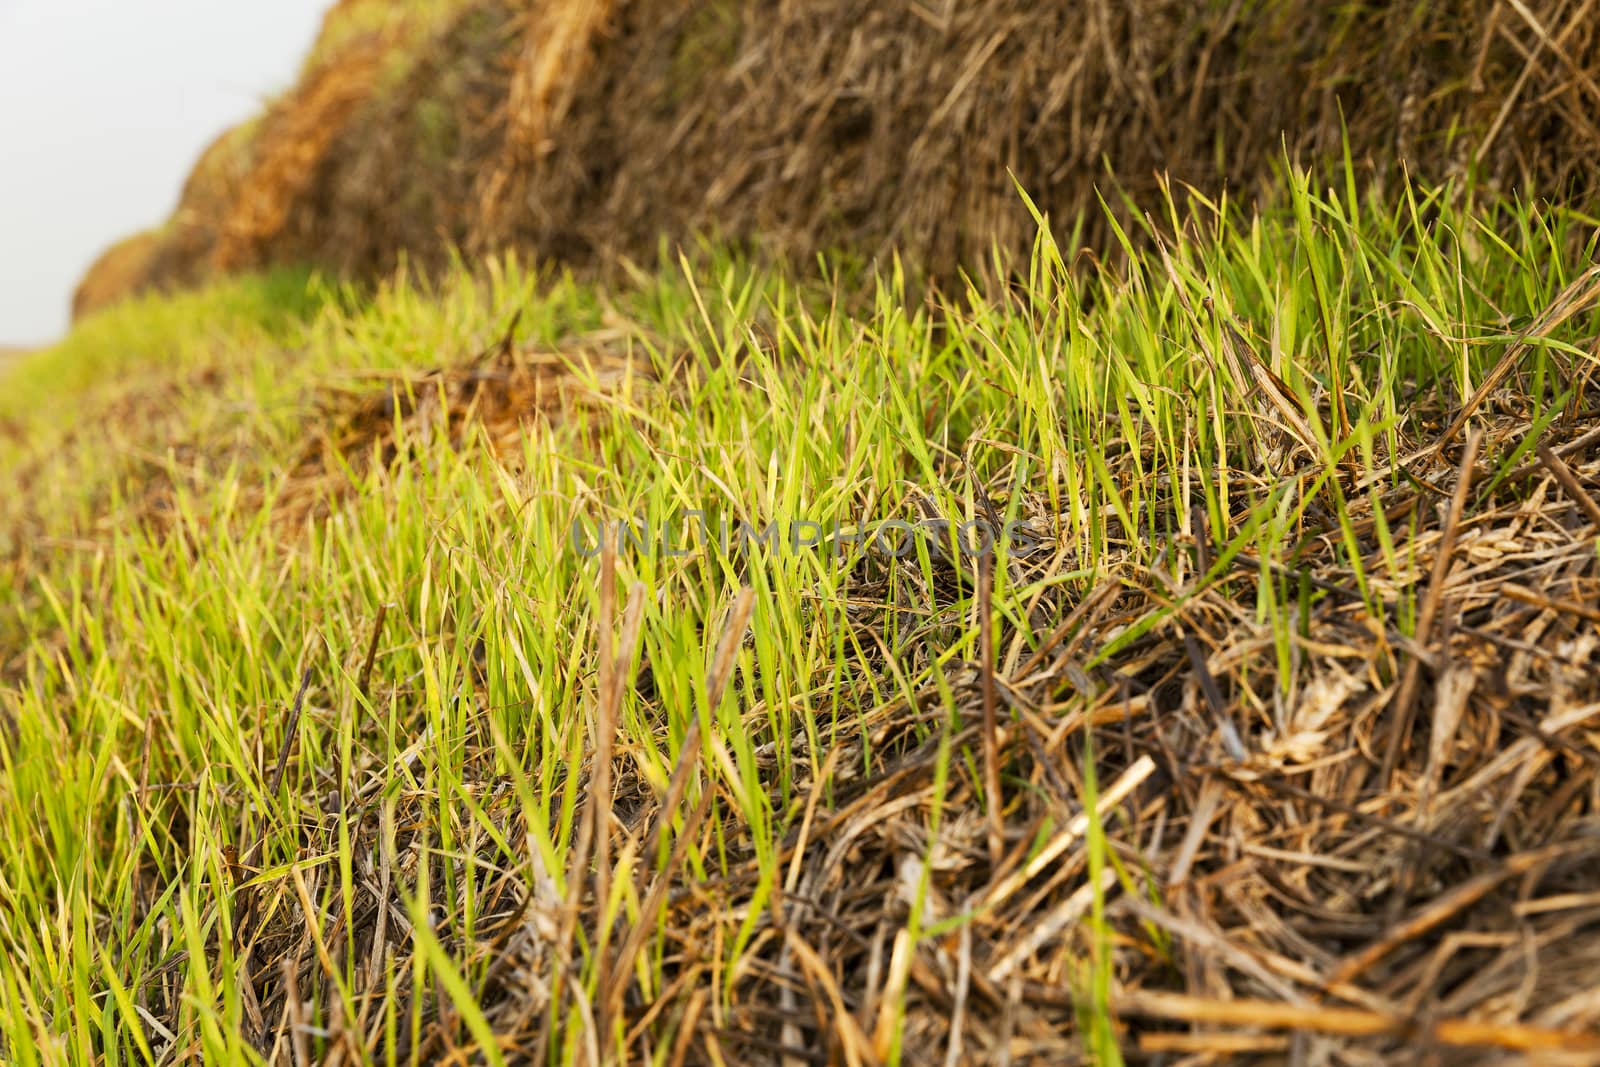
column 583, row 130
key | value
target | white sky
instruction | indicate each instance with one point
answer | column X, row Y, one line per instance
column 104, row 105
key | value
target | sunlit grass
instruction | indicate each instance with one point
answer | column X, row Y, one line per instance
column 155, row 664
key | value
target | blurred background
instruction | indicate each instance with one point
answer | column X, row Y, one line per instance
column 591, row 134
column 104, row 107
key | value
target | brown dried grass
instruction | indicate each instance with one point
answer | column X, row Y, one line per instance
column 586, row 129
column 852, row 124
column 118, row 270
column 489, row 401
column 185, row 252
column 290, row 152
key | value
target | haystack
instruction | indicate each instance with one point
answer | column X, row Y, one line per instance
column 118, row 270
column 580, row 130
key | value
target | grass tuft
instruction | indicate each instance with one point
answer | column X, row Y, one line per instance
column 326, row 734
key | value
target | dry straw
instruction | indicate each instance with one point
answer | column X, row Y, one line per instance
column 584, row 129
